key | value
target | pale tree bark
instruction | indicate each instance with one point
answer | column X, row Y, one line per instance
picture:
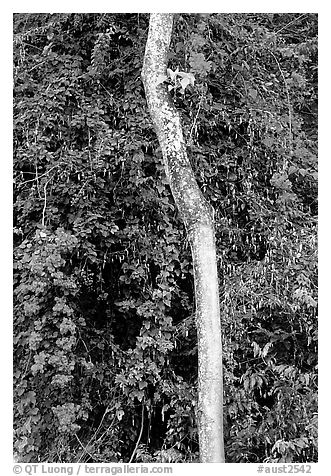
column 197, row 216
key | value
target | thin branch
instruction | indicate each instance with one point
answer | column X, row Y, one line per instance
column 29, row 45
column 86, row 348
column 195, row 121
column 75, row 200
column 93, row 437
column 105, row 432
column 89, row 149
column 288, row 98
column 110, row 95
column 36, row 66
column 42, row 175
column 290, row 23
column 45, row 203
column 119, row 180
column 27, row 364
column 85, row 450
column 37, row 179
column 140, row 434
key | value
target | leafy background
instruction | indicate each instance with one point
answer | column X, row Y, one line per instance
column 105, row 363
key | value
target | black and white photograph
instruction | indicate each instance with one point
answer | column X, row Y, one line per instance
column 165, row 271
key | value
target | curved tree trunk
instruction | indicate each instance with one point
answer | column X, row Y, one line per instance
column 197, row 215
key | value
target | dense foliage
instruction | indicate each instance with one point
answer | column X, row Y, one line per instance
column 105, row 339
